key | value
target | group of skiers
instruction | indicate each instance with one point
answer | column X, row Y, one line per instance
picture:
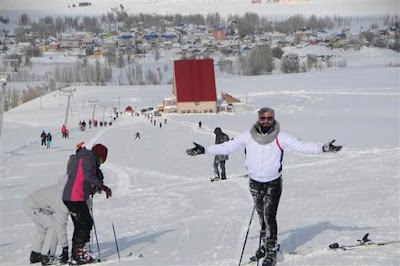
column 50, row 206
column 45, row 139
column 264, row 145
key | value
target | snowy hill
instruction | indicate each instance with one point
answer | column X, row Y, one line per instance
column 164, row 206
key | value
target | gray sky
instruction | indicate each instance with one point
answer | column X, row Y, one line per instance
column 224, row 7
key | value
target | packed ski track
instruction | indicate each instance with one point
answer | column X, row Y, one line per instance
column 164, row 207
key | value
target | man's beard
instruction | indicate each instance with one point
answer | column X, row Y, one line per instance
column 266, row 128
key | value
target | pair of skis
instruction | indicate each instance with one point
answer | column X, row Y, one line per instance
column 363, row 242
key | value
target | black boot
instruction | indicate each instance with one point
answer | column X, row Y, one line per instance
column 35, row 257
column 81, row 255
column 64, row 255
column 48, row 260
column 271, row 251
column 261, row 251
column 223, row 177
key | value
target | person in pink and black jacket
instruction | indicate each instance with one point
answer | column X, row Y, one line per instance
column 83, row 181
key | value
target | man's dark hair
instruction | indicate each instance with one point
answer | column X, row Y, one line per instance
column 266, row 109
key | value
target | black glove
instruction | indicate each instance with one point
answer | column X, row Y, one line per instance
column 107, row 190
column 198, row 149
column 329, row 147
column 64, row 255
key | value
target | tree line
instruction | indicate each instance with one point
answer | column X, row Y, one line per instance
column 247, row 24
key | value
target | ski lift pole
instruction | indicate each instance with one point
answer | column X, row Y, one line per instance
column 3, row 81
column 70, row 92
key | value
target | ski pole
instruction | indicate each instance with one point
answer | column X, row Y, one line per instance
column 91, row 245
column 247, row 234
column 113, row 227
column 116, row 242
column 259, row 244
column 95, row 233
column 90, row 200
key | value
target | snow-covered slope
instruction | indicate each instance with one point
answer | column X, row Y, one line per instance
column 163, row 205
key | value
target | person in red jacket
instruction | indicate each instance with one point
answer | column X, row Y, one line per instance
column 64, row 131
column 84, row 180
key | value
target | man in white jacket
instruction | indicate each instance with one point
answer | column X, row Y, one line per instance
column 50, row 215
column 264, row 144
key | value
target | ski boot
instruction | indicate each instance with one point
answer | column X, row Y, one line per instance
column 81, row 255
column 271, row 251
column 260, row 253
column 49, row 260
column 216, row 178
column 63, row 259
column 223, row 177
column 35, row 257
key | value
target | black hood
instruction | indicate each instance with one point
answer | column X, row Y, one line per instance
column 217, row 131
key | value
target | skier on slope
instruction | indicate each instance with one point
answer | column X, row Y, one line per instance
column 83, row 180
column 137, row 135
column 264, row 144
column 43, row 138
column 64, row 131
column 219, row 160
column 48, row 140
column 50, row 216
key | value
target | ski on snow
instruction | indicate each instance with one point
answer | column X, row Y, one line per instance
column 230, row 177
column 99, row 260
column 364, row 242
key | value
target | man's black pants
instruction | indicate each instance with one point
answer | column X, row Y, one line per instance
column 266, row 198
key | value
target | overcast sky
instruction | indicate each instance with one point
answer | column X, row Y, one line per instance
column 224, row 7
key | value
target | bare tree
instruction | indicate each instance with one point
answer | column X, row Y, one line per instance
column 151, row 77
column 24, row 20
column 277, row 52
column 260, row 60
column 241, row 65
column 110, row 55
column 290, row 63
column 120, row 59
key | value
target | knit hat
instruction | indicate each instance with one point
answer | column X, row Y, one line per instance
column 80, row 145
column 101, row 151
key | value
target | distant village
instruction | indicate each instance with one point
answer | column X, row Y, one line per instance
column 259, row 47
column 193, row 41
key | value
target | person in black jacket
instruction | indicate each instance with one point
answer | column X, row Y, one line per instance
column 43, row 138
column 84, row 178
column 219, row 160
